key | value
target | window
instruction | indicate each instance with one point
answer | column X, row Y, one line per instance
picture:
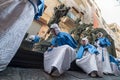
column 89, row 2
column 97, row 13
column 113, row 30
column 61, row 1
column 103, row 21
column 71, row 15
column 78, row 2
column 45, row 7
column 75, row 9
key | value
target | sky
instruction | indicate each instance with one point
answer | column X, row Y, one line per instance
column 110, row 10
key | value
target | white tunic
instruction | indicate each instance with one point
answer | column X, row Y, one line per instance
column 106, row 61
column 88, row 62
column 115, row 69
column 60, row 57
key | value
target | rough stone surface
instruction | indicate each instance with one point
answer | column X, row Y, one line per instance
column 38, row 74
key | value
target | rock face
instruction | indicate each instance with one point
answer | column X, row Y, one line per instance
column 15, row 18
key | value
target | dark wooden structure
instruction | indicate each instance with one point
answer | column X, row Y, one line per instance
column 26, row 58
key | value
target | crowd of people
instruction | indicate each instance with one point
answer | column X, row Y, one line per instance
column 94, row 59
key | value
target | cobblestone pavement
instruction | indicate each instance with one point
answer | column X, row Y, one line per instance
column 38, row 74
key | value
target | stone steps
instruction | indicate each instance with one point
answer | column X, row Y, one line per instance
column 27, row 59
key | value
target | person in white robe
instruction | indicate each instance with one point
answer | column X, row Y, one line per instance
column 102, row 43
column 58, row 57
column 16, row 16
column 86, row 59
column 114, row 65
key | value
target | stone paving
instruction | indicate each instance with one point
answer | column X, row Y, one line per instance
column 38, row 74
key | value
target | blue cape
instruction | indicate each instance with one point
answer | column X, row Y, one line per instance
column 104, row 42
column 37, row 39
column 39, row 9
column 64, row 39
column 90, row 49
column 112, row 59
column 40, row 4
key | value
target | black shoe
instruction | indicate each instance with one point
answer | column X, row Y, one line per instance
column 93, row 74
column 53, row 70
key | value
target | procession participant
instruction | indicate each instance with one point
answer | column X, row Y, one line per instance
column 58, row 57
column 86, row 58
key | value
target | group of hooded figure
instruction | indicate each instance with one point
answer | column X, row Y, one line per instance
column 94, row 60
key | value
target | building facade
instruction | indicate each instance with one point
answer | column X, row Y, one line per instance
column 85, row 10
